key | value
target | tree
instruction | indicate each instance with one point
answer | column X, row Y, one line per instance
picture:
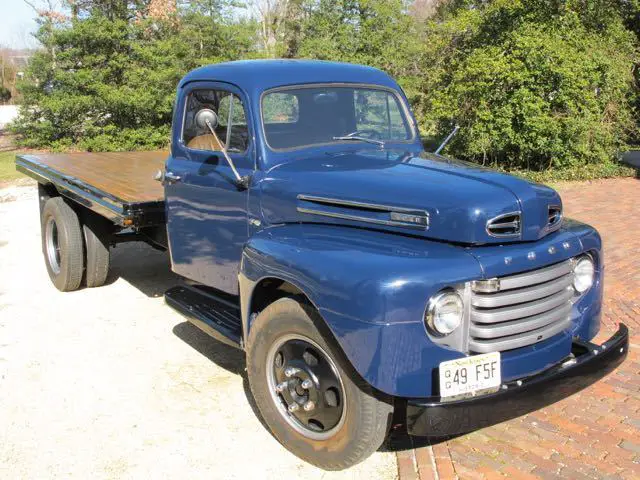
column 380, row 33
column 106, row 79
column 534, row 84
column 8, row 73
column 5, row 94
column 279, row 24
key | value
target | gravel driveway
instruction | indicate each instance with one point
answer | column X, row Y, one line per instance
column 111, row 383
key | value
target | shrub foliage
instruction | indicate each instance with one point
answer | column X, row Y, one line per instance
column 107, row 81
column 533, row 84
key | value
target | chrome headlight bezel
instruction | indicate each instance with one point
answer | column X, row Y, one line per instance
column 584, row 273
column 437, row 325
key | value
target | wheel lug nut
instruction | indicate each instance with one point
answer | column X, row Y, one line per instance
column 294, row 407
column 307, row 384
column 281, row 387
column 290, row 372
column 309, row 406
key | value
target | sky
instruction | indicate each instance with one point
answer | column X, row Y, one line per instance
column 16, row 24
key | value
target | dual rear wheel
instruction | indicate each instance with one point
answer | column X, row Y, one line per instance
column 74, row 249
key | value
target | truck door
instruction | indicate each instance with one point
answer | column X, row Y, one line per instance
column 206, row 209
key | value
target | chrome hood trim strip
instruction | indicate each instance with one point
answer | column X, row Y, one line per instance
column 345, row 210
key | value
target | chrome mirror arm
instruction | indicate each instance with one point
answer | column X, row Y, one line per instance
column 240, row 181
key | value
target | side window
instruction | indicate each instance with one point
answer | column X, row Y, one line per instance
column 280, row 108
column 231, row 125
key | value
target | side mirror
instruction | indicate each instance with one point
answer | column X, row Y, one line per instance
column 206, row 118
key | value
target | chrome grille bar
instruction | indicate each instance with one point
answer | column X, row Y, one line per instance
column 497, row 330
column 528, row 308
column 511, row 297
column 536, row 276
column 520, row 340
column 522, row 310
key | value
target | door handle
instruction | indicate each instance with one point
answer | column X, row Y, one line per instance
column 167, row 178
column 171, row 177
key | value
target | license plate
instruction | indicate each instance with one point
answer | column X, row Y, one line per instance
column 470, row 376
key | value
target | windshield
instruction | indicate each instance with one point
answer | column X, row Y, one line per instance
column 304, row 116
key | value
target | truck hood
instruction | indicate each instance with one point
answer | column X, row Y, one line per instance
column 419, row 194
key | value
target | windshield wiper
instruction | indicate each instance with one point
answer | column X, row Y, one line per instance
column 360, row 139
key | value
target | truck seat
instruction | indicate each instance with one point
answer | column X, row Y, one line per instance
column 205, row 142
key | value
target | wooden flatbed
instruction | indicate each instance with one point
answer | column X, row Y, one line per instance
column 118, row 185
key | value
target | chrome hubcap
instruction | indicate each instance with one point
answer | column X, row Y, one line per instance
column 52, row 246
column 306, row 387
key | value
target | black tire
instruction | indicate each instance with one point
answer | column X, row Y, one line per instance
column 62, row 244
column 96, row 241
column 366, row 418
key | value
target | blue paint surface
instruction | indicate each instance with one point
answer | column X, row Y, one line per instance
column 372, row 289
column 370, row 282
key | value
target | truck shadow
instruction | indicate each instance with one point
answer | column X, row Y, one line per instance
column 399, row 440
column 225, row 356
column 149, row 271
column 233, row 360
column 143, row 267
column 229, row 358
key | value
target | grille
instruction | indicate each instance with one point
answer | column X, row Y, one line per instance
column 507, row 225
column 554, row 220
column 528, row 308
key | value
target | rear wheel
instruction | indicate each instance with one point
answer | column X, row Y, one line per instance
column 311, row 404
column 96, row 240
column 62, row 244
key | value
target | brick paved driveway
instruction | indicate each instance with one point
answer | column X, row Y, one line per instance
column 596, row 433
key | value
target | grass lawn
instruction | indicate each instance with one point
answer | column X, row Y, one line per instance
column 8, row 167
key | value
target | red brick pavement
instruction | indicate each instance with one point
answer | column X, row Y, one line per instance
column 595, row 433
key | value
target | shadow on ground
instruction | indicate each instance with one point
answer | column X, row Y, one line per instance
column 233, row 360
column 149, row 271
column 223, row 355
column 146, row 269
column 399, row 440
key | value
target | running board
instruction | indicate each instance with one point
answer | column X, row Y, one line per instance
column 212, row 314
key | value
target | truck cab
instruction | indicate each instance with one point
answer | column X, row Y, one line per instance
column 368, row 280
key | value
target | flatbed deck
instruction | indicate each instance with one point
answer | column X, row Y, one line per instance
column 117, row 185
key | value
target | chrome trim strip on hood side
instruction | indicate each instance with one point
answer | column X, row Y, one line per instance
column 350, row 203
column 414, row 218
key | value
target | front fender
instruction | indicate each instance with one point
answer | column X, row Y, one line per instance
column 371, row 288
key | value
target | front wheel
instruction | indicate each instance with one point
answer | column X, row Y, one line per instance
column 312, row 406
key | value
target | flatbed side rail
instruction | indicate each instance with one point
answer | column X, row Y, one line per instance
column 120, row 212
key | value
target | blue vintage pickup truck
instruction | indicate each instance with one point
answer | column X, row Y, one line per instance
column 368, row 281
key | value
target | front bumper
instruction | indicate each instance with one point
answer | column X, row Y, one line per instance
column 433, row 417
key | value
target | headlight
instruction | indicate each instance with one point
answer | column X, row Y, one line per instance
column 445, row 313
column 583, row 274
